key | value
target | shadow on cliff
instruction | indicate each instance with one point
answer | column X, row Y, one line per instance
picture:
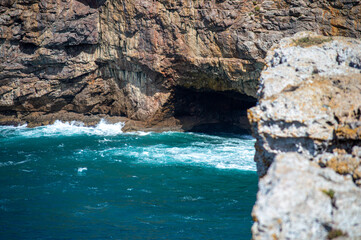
column 92, row 3
column 211, row 111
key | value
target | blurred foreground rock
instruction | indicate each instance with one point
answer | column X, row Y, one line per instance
column 308, row 130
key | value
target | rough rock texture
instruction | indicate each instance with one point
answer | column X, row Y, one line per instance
column 308, row 130
column 127, row 57
column 299, row 200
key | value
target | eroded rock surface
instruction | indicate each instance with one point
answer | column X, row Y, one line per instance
column 308, row 130
column 299, row 200
column 126, row 57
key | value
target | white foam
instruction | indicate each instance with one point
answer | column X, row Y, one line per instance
column 24, row 126
column 139, row 133
column 82, row 169
column 193, row 218
column 193, row 148
column 232, row 153
column 12, row 163
column 9, row 131
column 5, row 164
column 104, row 128
column 66, row 129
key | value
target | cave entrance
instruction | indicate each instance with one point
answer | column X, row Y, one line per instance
column 212, row 111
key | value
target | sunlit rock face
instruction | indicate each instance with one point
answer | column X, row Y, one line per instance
column 126, row 57
column 308, row 130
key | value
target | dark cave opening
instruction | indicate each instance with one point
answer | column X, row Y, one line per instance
column 212, row 111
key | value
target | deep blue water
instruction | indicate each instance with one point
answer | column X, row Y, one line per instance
column 71, row 182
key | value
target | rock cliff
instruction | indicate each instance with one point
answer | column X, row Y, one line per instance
column 148, row 60
column 308, row 130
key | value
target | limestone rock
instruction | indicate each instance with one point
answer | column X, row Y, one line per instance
column 307, row 125
column 308, row 98
column 299, row 200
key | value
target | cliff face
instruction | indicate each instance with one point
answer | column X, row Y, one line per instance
column 137, row 58
column 308, row 130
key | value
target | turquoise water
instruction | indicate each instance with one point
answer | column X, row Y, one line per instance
column 66, row 181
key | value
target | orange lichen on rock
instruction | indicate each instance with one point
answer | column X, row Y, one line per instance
column 343, row 165
column 346, row 132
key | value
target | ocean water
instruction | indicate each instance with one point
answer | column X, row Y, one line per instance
column 67, row 181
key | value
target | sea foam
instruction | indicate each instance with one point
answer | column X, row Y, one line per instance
column 72, row 128
column 82, row 169
column 167, row 148
column 208, row 151
column 60, row 128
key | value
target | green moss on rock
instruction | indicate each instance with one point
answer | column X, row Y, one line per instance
column 311, row 41
column 335, row 233
column 330, row 193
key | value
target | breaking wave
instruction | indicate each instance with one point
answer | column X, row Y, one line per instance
column 60, row 128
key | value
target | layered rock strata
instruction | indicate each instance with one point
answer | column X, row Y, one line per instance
column 308, row 130
column 130, row 57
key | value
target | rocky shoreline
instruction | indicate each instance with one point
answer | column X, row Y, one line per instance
column 149, row 61
column 185, row 65
column 37, row 119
